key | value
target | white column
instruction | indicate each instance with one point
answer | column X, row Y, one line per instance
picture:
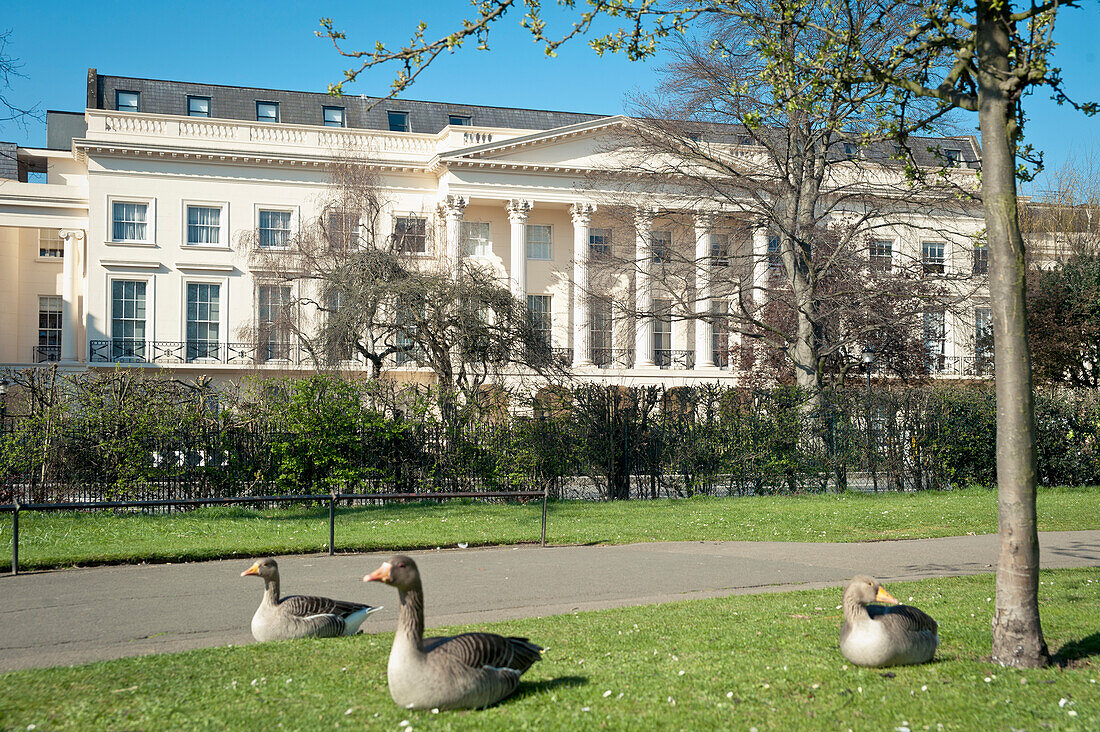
column 582, row 219
column 518, row 209
column 760, row 263
column 643, row 289
column 453, row 208
column 704, row 349
column 70, row 237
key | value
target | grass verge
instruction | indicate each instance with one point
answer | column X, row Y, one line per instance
column 59, row 540
column 764, row 661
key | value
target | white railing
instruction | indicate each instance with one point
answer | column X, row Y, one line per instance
column 106, row 125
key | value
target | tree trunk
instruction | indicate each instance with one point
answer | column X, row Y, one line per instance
column 1017, row 632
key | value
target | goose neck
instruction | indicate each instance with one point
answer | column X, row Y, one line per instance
column 410, row 617
column 854, row 610
column 271, row 590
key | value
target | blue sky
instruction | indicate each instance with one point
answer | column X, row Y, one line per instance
column 271, row 44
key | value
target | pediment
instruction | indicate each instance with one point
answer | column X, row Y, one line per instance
column 585, row 145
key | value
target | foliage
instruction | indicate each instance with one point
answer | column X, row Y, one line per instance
column 1063, row 312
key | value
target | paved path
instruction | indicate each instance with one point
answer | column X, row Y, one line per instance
column 81, row 615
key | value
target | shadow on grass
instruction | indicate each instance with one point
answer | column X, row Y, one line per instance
column 528, row 688
column 1078, row 650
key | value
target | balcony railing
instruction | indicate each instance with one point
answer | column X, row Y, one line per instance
column 669, row 359
column 613, row 358
column 128, row 350
column 46, row 354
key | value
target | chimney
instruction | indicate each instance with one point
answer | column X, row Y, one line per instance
column 93, row 89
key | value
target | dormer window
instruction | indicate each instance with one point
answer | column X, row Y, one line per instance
column 267, row 112
column 198, row 106
column 333, row 116
column 399, row 121
column 952, row 158
column 851, row 150
column 459, row 120
column 127, row 101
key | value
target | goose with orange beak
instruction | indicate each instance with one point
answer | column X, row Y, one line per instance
column 884, row 635
column 300, row 616
column 467, row 671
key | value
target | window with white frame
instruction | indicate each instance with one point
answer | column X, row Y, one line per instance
column 267, row 111
column 775, row 254
column 933, row 257
column 342, row 230
column 129, row 221
column 127, row 101
column 882, row 255
column 274, row 229
column 981, row 258
column 49, row 328
column 538, row 307
column 475, row 239
column 128, row 313
column 540, row 243
column 50, row 245
column 599, row 332
column 720, row 332
column 410, row 234
column 935, row 338
column 599, row 244
column 952, row 157
column 203, row 320
column 459, row 120
column 662, row 332
column 660, row 245
column 198, row 106
column 719, row 250
column 332, row 116
column 406, row 337
column 273, row 321
column 983, row 337
column 204, row 225
column 340, row 341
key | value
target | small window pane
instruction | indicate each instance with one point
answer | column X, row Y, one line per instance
column 49, row 329
column 198, row 106
column 882, row 255
column 952, row 158
column 399, row 121
column 660, row 244
column 50, row 245
column 274, row 229
column 475, row 235
column 662, row 332
column 129, row 221
column 127, row 101
column 935, row 338
column 410, row 234
column 599, row 243
column 720, row 250
column 267, row 111
column 333, row 116
column 981, row 259
column 203, row 224
column 933, row 257
column 539, row 308
column 460, row 120
column 775, row 254
column 539, row 242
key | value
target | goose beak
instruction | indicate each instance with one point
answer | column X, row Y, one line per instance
column 884, row 596
column 253, row 570
column 382, row 574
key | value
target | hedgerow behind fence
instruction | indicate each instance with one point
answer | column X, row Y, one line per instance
column 129, row 436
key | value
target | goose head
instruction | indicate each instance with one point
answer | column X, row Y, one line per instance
column 864, row 590
column 265, row 568
column 399, row 571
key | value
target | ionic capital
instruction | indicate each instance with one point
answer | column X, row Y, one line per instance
column 644, row 215
column 582, row 213
column 74, row 234
column 518, row 209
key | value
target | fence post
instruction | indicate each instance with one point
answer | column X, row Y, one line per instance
column 332, row 525
column 15, row 540
column 545, row 493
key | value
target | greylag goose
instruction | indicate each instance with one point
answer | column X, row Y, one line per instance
column 467, row 671
column 300, row 616
column 877, row 635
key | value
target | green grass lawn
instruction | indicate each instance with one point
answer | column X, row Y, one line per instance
column 764, row 661
column 59, row 540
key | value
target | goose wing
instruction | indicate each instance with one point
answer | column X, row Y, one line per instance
column 478, row 650
column 903, row 618
column 305, row 606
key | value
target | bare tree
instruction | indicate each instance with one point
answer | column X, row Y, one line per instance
column 352, row 292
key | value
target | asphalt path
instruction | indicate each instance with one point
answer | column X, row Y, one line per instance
column 81, row 615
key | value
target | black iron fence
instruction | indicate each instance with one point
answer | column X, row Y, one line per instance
column 15, row 509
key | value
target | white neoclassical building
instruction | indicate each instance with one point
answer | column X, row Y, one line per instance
column 121, row 239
